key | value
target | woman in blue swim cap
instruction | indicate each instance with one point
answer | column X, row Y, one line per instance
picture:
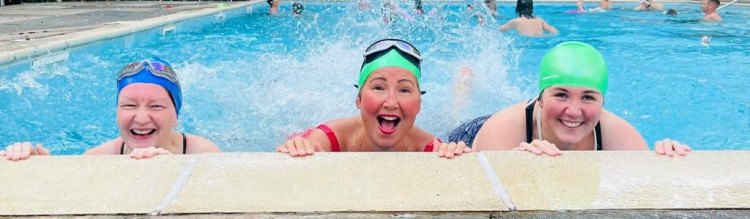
column 389, row 100
column 149, row 99
column 568, row 114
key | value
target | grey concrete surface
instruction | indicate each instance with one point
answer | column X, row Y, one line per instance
column 33, row 21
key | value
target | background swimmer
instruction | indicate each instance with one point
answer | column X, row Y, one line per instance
column 649, row 5
column 461, row 89
column 297, row 8
column 709, row 10
column 604, row 5
column 526, row 24
column 274, row 6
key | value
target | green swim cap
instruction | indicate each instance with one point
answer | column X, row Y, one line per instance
column 574, row 64
column 390, row 59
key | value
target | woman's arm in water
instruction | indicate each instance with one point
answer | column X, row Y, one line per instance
column 198, row 145
column 548, row 28
column 618, row 134
column 507, row 26
column 110, row 147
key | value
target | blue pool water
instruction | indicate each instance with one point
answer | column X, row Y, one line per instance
column 251, row 79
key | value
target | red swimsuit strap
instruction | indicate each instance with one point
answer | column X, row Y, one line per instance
column 331, row 137
column 431, row 146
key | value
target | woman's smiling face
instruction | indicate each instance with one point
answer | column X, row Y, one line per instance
column 570, row 113
column 145, row 115
column 389, row 102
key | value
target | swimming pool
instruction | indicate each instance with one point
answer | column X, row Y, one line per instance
column 249, row 80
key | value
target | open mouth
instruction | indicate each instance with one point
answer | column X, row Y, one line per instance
column 142, row 132
column 388, row 124
column 571, row 124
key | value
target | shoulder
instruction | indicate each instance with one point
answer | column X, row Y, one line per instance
column 512, row 114
column 503, row 130
column 420, row 136
column 618, row 134
column 110, row 147
column 197, row 144
column 344, row 123
column 343, row 130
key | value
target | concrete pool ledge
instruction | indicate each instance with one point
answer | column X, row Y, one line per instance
column 380, row 184
column 70, row 37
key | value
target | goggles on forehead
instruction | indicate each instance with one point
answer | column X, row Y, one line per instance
column 401, row 45
column 155, row 67
column 154, row 71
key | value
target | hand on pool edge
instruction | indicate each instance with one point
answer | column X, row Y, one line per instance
column 299, row 147
column 149, row 152
column 669, row 147
column 452, row 149
column 539, row 147
column 22, row 150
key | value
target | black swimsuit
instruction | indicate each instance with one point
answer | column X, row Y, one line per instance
column 529, row 126
column 184, row 145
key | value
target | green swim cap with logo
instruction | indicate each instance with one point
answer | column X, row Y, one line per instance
column 574, row 64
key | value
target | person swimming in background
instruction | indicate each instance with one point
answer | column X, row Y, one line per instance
column 149, row 100
column 364, row 4
column 604, row 5
column 274, row 6
column 297, row 8
column 391, row 12
column 526, row 24
column 389, row 99
column 418, row 7
column 568, row 112
column 708, row 7
column 492, row 5
column 649, row 5
column 462, row 83
column 671, row 12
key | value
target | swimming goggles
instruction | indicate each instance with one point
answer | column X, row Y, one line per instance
column 385, row 44
column 156, row 68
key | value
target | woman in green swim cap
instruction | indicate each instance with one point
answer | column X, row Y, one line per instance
column 389, row 100
column 568, row 113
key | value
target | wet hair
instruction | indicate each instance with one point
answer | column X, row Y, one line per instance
column 525, row 8
column 715, row 1
column 671, row 12
column 270, row 2
column 418, row 5
column 298, row 8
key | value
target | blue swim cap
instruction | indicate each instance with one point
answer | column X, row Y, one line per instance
column 153, row 71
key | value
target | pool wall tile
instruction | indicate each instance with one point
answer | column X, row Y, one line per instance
column 625, row 180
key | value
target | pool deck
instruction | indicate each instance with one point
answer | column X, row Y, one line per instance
column 707, row 184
